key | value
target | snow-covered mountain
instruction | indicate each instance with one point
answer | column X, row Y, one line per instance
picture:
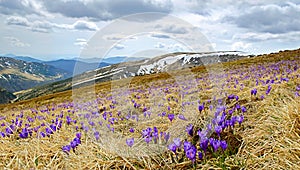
column 168, row 62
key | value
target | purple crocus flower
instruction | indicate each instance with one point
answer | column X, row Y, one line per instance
column 216, row 144
column 254, row 91
column 186, row 145
column 66, row 148
column 53, row 127
column 155, row 132
column 8, row 131
column 130, row 142
column 97, row 135
column 268, row 90
column 243, row 109
column 181, row 116
column 171, row 117
column 146, row 132
column 218, row 130
column 200, row 155
column 177, row 142
column 2, row 134
column 231, row 97
column 223, row 145
column 77, row 140
column 240, row 119
column 131, row 130
column 91, row 123
column 166, row 136
column 233, row 120
column 73, row 144
column 237, row 106
column 189, row 129
column 148, row 139
column 42, row 134
column 201, row 108
column 204, row 144
column 191, row 153
column 48, row 131
column 172, row 147
column 24, row 133
column 78, row 135
column 68, row 120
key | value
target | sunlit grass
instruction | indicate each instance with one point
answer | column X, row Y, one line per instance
column 267, row 138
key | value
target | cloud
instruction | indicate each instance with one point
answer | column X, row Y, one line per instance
column 159, row 36
column 177, row 47
column 21, row 7
column 119, row 46
column 174, row 29
column 14, row 42
column 46, row 26
column 271, row 18
column 15, row 20
column 160, row 45
column 241, row 46
column 81, row 42
column 84, row 25
column 105, row 9
column 255, row 37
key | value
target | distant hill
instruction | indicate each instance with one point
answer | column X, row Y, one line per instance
column 16, row 75
column 28, row 59
column 69, row 65
column 111, row 60
column 23, row 58
column 66, row 65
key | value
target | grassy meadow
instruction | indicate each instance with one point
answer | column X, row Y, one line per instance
column 243, row 114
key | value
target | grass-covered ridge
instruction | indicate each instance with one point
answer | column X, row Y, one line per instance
column 244, row 116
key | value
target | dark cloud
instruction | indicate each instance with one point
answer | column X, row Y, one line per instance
column 174, row 29
column 270, row 18
column 105, row 9
column 21, row 7
column 160, row 36
column 46, row 26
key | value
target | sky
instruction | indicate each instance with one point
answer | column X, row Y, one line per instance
column 48, row 30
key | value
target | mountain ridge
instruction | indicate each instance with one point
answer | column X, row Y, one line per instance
column 16, row 75
column 135, row 68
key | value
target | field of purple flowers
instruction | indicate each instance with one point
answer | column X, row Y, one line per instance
column 246, row 116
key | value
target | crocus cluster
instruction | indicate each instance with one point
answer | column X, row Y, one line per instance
column 73, row 144
column 223, row 119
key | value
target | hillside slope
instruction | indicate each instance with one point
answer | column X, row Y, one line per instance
column 16, row 75
column 6, row 96
column 79, row 66
column 261, row 130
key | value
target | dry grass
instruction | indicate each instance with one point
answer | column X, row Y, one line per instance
column 269, row 138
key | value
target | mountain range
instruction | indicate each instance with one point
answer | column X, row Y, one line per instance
column 16, row 75
column 78, row 65
column 163, row 63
